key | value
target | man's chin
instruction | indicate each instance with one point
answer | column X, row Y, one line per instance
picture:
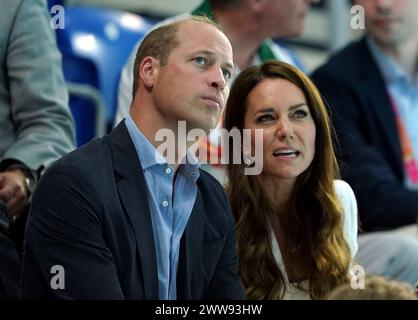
column 199, row 126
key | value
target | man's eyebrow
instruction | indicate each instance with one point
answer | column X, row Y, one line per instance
column 212, row 54
column 205, row 52
column 229, row 65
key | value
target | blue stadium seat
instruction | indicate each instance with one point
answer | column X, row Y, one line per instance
column 52, row 3
column 95, row 45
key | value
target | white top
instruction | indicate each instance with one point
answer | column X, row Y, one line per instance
column 349, row 205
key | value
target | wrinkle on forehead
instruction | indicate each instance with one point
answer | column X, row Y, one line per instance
column 199, row 36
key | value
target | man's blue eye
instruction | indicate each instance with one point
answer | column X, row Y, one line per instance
column 200, row 60
column 227, row 74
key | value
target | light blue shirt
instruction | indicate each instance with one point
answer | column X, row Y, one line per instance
column 169, row 218
column 403, row 90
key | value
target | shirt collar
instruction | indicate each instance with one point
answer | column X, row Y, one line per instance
column 190, row 167
column 150, row 156
column 147, row 153
column 391, row 70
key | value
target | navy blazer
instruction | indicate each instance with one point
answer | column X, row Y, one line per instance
column 90, row 215
column 368, row 141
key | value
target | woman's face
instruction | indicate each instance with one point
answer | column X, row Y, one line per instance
column 279, row 108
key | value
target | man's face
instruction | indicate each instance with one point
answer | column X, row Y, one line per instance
column 192, row 86
column 390, row 22
column 285, row 18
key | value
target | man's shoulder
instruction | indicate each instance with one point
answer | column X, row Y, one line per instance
column 209, row 181
column 346, row 61
column 82, row 162
column 285, row 54
column 212, row 190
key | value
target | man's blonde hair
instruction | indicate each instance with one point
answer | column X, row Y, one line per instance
column 161, row 41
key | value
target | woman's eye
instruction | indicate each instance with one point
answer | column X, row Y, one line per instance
column 264, row 118
column 300, row 114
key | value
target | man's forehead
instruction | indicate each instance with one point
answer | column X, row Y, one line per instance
column 196, row 25
column 199, row 31
column 199, row 36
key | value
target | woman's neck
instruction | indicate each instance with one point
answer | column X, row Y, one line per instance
column 277, row 190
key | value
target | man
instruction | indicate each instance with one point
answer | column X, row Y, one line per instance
column 249, row 25
column 116, row 218
column 371, row 87
column 36, row 126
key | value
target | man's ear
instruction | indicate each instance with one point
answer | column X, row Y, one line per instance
column 148, row 71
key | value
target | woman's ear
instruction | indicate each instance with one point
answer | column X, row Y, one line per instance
column 148, row 71
column 247, row 152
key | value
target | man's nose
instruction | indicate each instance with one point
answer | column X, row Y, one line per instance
column 217, row 79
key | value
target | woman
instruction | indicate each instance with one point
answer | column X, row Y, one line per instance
column 296, row 224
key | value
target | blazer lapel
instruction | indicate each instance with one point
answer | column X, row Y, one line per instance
column 380, row 102
column 133, row 194
column 190, row 247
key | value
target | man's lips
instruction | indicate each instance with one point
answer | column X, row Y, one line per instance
column 213, row 101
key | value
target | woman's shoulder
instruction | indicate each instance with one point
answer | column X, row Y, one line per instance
column 349, row 207
column 344, row 192
column 342, row 186
column 346, row 196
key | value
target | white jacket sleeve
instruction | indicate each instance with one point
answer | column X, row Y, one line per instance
column 349, row 206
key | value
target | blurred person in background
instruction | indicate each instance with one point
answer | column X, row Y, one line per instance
column 36, row 127
column 371, row 87
column 375, row 288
